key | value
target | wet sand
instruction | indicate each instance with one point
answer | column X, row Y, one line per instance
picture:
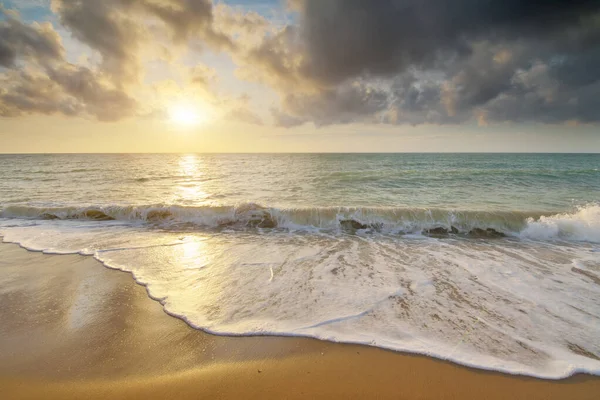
column 71, row 328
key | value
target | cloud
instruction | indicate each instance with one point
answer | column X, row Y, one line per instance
column 286, row 120
column 24, row 92
column 418, row 100
column 348, row 38
column 187, row 19
column 37, row 42
column 66, row 90
column 336, row 62
column 202, row 76
column 243, row 114
column 434, row 61
column 107, row 27
column 536, row 94
column 40, row 80
column 96, row 98
column 121, row 30
column 345, row 104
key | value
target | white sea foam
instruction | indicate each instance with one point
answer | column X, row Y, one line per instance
column 581, row 225
column 521, row 307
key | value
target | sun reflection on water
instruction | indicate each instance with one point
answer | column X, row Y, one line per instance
column 190, row 188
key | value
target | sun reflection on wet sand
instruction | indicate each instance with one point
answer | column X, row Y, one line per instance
column 194, row 254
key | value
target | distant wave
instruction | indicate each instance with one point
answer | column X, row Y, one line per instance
column 582, row 224
column 144, row 179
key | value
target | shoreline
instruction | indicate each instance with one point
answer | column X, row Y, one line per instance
column 73, row 327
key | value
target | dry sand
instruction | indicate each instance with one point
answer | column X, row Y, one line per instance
column 71, row 328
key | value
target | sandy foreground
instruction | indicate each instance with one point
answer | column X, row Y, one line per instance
column 71, row 329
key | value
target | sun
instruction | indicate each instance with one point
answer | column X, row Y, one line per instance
column 187, row 114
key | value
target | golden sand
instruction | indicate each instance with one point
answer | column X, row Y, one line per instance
column 71, row 329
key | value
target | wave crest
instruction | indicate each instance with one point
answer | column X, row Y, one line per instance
column 583, row 224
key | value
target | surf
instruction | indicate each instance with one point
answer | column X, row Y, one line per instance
column 580, row 224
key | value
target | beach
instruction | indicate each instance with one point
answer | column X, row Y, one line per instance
column 72, row 328
column 285, row 199
column 458, row 276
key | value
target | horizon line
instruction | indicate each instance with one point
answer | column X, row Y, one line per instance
column 310, row 152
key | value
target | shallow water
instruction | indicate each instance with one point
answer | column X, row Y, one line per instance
column 488, row 260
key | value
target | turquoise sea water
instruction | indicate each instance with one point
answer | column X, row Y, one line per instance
column 526, row 182
column 489, row 260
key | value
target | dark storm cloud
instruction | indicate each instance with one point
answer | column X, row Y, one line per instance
column 578, row 69
column 537, row 95
column 469, row 55
column 418, row 100
column 346, row 38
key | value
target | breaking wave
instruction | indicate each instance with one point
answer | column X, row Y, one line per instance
column 582, row 224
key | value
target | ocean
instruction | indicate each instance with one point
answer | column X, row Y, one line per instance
column 487, row 260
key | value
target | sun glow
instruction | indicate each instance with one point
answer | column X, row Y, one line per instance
column 187, row 115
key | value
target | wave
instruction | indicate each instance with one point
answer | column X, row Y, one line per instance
column 582, row 224
column 418, row 296
column 144, row 179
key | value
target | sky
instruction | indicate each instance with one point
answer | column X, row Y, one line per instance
column 299, row 76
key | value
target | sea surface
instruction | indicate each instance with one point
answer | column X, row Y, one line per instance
column 487, row 260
